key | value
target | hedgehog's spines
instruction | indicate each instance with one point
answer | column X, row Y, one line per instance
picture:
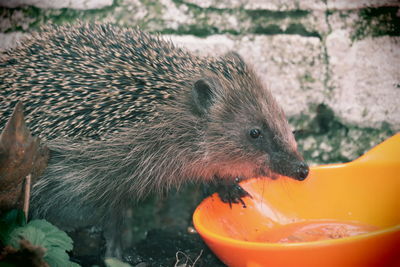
column 110, row 68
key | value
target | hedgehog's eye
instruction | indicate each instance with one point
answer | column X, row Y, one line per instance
column 255, row 133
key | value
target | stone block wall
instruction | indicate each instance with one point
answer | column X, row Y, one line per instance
column 334, row 65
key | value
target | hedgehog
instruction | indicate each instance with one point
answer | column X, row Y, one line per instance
column 125, row 113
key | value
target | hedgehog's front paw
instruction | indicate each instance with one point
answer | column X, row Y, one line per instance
column 231, row 192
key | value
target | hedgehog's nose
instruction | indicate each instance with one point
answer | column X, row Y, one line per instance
column 302, row 171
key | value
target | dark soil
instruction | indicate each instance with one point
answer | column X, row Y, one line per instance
column 161, row 235
column 170, row 247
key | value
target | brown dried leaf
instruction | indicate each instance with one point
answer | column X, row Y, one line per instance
column 26, row 255
column 20, row 155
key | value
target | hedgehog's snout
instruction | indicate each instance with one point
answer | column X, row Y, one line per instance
column 289, row 166
column 301, row 171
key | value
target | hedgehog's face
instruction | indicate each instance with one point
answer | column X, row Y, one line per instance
column 252, row 147
column 270, row 152
column 247, row 134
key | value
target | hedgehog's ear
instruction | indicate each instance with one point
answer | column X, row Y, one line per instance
column 203, row 93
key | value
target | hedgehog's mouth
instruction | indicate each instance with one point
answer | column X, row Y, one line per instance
column 295, row 169
column 266, row 172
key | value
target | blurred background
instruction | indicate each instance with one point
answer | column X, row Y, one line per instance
column 333, row 65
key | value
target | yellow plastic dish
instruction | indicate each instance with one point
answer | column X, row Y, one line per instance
column 366, row 191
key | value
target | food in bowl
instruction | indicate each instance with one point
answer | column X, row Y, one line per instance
column 307, row 231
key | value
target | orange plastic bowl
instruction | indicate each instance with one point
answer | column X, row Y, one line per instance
column 366, row 190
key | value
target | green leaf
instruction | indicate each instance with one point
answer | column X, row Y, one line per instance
column 113, row 262
column 56, row 257
column 33, row 235
column 9, row 221
column 44, row 234
column 54, row 236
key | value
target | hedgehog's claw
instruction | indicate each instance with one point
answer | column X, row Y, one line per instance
column 232, row 192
